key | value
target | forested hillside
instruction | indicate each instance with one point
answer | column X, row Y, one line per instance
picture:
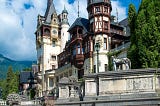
column 16, row 65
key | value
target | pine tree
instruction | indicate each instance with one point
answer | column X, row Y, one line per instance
column 145, row 38
column 132, row 52
column 10, row 85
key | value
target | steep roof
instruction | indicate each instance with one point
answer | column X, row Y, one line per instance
column 50, row 10
column 24, row 76
column 80, row 22
column 124, row 22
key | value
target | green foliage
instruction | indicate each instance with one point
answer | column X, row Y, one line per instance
column 131, row 17
column 32, row 93
column 27, row 69
column 10, row 84
column 145, row 35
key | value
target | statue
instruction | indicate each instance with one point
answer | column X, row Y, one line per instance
column 120, row 61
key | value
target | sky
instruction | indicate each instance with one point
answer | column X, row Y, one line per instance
column 18, row 21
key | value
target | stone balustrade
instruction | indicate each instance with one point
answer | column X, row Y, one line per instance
column 2, row 102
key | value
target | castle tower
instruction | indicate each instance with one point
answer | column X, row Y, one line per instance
column 99, row 17
column 47, row 42
column 64, row 28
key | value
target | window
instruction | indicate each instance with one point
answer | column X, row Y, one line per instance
column 105, row 9
column 105, row 25
column 97, row 9
column 80, row 31
column 94, row 67
column 46, row 31
column 74, row 50
column 53, row 67
column 106, row 67
column 79, row 49
column 53, row 57
column 105, row 43
column 50, row 82
column 53, row 43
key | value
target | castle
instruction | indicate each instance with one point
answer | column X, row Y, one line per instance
column 65, row 51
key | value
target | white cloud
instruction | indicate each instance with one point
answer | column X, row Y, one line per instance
column 121, row 10
column 72, row 8
column 17, row 39
column 18, row 24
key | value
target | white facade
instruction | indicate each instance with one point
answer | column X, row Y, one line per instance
column 49, row 44
column 104, row 49
column 64, row 35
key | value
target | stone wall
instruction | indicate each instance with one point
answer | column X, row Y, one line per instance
column 139, row 87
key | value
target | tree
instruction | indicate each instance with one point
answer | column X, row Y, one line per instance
column 27, row 69
column 145, row 36
column 10, row 84
column 132, row 52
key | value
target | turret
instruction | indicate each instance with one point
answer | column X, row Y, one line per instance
column 47, row 43
column 99, row 17
column 64, row 28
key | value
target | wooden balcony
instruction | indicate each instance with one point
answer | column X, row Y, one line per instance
column 78, row 60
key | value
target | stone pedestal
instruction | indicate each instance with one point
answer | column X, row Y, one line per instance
column 68, row 90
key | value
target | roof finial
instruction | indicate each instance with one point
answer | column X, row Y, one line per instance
column 117, row 14
column 49, row 2
column 64, row 7
column 78, row 8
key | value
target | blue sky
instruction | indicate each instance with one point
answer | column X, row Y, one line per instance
column 19, row 19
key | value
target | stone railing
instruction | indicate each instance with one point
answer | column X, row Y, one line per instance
column 31, row 103
column 2, row 102
column 126, row 45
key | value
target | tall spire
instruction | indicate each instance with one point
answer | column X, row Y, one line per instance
column 65, row 11
column 49, row 2
column 49, row 11
column 117, row 14
column 78, row 8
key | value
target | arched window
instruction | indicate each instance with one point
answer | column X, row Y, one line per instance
column 47, row 31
